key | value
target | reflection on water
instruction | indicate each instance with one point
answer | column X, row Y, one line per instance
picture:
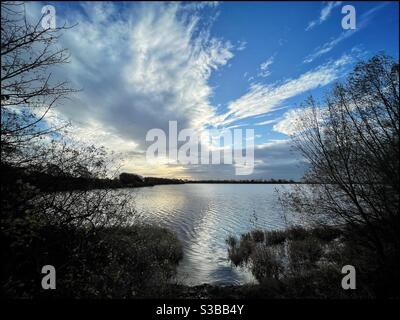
column 203, row 216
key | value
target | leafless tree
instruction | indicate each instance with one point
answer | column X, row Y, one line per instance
column 351, row 142
column 28, row 90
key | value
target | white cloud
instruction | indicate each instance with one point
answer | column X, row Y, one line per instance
column 272, row 143
column 264, row 72
column 270, row 121
column 294, row 120
column 197, row 5
column 289, row 123
column 324, row 14
column 329, row 45
column 264, row 98
column 241, row 45
column 138, row 68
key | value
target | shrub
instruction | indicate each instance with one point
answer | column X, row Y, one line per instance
column 275, row 237
column 304, row 254
column 266, row 264
column 297, row 233
column 257, row 235
column 239, row 252
column 118, row 262
column 296, row 262
column 326, row 233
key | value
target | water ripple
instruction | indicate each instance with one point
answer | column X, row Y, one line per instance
column 203, row 216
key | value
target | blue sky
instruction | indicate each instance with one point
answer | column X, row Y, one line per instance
column 278, row 30
column 219, row 64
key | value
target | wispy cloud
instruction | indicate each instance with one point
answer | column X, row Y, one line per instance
column 139, row 68
column 198, row 5
column 270, row 121
column 289, row 123
column 264, row 67
column 328, row 46
column 265, row 98
column 241, row 45
column 324, row 14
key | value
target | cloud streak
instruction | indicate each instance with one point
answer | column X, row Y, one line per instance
column 329, row 45
column 324, row 14
column 264, row 67
column 265, row 98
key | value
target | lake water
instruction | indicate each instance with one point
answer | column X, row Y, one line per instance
column 203, row 216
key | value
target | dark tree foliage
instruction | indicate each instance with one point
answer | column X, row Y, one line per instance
column 50, row 213
column 351, row 141
column 349, row 197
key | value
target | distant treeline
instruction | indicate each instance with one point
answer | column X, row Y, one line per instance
column 135, row 180
column 270, row 181
column 56, row 180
